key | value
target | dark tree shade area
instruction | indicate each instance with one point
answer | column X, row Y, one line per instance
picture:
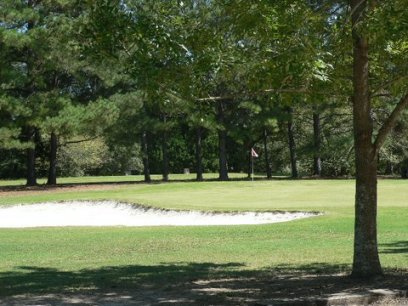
column 317, row 88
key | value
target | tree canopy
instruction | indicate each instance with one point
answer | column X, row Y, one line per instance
column 169, row 85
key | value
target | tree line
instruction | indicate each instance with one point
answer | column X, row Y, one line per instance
column 69, row 78
column 319, row 87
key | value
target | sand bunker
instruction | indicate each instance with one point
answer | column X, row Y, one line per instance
column 106, row 213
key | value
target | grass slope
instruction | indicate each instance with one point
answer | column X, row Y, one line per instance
column 35, row 260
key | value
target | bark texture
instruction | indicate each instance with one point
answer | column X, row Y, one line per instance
column 366, row 261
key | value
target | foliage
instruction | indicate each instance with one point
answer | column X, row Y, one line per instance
column 118, row 69
column 93, row 157
column 82, row 158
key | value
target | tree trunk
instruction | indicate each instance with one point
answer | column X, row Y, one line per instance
column 317, row 162
column 165, row 158
column 31, row 173
column 266, row 155
column 366, row 261
column 250, row 163
column 198, row 155
column 404, row 169
column 52, row 172
column 145, row 152
column 222, row 143
column 292, row 147
column 389, row 168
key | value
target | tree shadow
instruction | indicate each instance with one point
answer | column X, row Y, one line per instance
column 184, row 284
column 8, row 188
column 39, row 187
column 399, row 247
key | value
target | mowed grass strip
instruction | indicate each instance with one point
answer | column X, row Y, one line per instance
column 121, row 179
column 65, row 253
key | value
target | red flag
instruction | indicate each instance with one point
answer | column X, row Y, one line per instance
column 253, row 153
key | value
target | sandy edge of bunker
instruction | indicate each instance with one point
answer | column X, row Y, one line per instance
column 112, row 213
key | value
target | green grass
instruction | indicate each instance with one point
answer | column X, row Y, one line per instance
column 118, row 179
column 40, row 256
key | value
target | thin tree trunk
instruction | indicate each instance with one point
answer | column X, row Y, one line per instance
column 31, row 154
column 389, row 168
column 222, row 143
column 31, row 173
column 404, row 169
column 266, row 155
column 198, row 155
column 317, row 161
column 52, row 172
column 292, row 147
column 250, row 164
column 366, row 261
column 165, row 158
column 145, row 152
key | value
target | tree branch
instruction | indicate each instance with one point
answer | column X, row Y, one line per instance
column 268, row 91
column 390, row 123
column 79, row 141
column 294, row 91
column 378, row 91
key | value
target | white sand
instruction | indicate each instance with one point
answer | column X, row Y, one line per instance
column 106, row 213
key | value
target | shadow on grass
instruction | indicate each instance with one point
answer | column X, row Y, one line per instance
column 184, row 284
column 398, row 247
column 39, row 187
column 278, row 177
column 7, row 188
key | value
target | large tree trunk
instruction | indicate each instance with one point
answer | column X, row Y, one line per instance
column 292, row 147
column 222, row 143
column 145, row 152
column 52, row 172
column 366, row 261
column 266, row 155
column 31, row 176
column 198, row 155
column 317, row 161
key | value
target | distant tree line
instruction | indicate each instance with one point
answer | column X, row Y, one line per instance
column 110, row 87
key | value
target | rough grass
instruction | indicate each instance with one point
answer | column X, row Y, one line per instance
column 35, row 260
